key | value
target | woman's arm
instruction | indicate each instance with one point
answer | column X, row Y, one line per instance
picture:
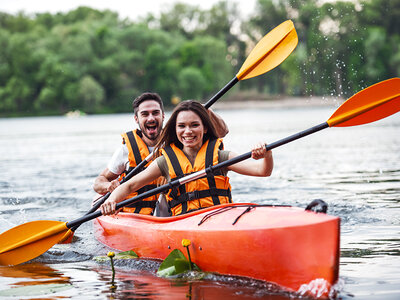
column 261, row 165
column 121, row 192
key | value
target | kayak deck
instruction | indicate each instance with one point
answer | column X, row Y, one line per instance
column 285, row 245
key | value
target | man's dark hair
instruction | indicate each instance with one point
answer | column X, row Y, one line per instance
column 144, row 97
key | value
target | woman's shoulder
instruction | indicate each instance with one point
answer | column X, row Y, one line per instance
column 223, row 155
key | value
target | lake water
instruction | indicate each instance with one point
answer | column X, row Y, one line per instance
column 48, row 165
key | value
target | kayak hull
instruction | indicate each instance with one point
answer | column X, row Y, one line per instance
column 284, row 245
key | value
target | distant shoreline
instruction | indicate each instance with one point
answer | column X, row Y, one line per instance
column 222, row 104
column 286, row 102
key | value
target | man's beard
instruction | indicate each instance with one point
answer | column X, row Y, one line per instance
column 154, row 136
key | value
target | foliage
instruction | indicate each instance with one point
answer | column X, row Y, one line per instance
column 343, row 46
column 175, row 263
column 95, row 62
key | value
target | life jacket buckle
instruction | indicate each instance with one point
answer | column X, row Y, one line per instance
column 193, row 195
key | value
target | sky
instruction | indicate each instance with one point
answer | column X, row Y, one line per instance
column 125, row 8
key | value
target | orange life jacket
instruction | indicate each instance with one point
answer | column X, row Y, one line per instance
column 138, row 151
column 211, row 190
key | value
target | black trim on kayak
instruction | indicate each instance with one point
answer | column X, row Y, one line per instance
column 244, row 212
column 248, row 209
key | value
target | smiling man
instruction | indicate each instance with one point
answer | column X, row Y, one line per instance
column 136, row 146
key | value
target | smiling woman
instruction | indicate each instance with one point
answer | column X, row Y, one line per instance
column 189, row 144
column 190, row 131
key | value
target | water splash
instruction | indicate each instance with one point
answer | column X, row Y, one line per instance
column 320, row 288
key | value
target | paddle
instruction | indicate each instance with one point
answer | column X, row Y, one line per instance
column 269, row 52
column 29, row 240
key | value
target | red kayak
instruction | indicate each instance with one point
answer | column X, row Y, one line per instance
column 288, row 246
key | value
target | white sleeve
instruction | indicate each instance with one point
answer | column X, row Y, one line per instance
column 119, row 162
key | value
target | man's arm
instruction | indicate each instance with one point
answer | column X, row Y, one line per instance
column 106, row 182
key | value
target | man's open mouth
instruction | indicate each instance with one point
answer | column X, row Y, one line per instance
column 151, row 129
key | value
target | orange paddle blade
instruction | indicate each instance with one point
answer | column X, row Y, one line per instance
column 270, row 51
column 371, row 104
column 29, row 240
column 67, row 238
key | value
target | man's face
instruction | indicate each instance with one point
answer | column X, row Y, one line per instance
column 150, row 119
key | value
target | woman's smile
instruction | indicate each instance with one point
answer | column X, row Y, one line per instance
column 190, row 129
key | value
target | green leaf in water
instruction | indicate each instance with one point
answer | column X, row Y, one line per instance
column 126, row 255
column 34, row 290
column 169, row 261
column 175, row 263
column 181, row 265
column 122, row 255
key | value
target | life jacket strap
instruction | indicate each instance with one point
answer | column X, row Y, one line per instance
column 143, row 204
column 140, row 204
column 135, row 147
column 212, row 192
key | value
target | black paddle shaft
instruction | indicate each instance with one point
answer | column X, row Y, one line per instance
column 222, row 92
column 197, row 175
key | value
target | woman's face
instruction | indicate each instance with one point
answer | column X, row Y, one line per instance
column 190, row 129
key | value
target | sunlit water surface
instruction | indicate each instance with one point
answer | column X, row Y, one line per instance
column 48, row 165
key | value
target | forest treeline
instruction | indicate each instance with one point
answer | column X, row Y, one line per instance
column 97, row 62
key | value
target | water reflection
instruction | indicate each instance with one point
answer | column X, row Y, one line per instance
column 93, row 281
column 37, row 273
column 142, row 285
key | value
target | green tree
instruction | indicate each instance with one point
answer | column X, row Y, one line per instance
column 90, row 59
column 157, row 75
column 209, row 56
column 91, row 93
column 14, row 95
column 46, row 99
column 191, row 83
column 5, row 71
column 381, row 39
column 180, row 18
